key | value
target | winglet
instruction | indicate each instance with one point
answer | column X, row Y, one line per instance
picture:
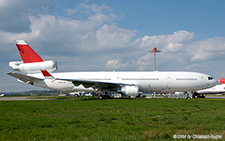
column 46, row 74
column 27, row 54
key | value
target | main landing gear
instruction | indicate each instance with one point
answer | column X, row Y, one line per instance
column 103, row 95
column 195, row 94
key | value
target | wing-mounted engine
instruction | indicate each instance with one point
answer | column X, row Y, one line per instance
column 130, row 90
column 34, row 67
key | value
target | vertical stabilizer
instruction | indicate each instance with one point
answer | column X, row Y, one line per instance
column 27, row 54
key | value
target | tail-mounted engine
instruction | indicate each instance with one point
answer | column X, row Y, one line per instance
column 33, row 67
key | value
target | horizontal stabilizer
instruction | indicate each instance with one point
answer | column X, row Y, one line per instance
column 23, row 77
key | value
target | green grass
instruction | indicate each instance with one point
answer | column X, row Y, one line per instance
column 111, row 119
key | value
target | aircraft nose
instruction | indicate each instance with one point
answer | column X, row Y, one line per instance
column 214, row 83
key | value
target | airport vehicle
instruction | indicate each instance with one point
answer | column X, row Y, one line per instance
column 38, row 73
column 80, row 94
column 77, row 94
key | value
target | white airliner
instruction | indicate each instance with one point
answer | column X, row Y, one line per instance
column 38, row 73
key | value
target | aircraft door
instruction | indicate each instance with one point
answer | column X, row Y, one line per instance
column 118, row 79
column 168, row 82
column 201, row 79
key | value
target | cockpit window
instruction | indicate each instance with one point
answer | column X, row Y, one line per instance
column 210, row 78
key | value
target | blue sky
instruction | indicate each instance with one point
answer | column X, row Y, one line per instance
column 157, row 17
column 88, row 35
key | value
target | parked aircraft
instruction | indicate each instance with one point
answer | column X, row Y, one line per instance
column 218, row 89
column 125, row 82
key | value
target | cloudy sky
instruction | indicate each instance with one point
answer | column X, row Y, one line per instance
column 100, row 35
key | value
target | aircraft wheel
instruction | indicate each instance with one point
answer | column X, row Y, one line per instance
column 107, row 96
column 193, row 96
column 76, row 95
column 100, row 97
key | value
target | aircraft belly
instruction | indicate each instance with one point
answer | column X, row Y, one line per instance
column 149, row 87
column 82, row 88
column 170, row 86
column 58, row 84
column 41, row 84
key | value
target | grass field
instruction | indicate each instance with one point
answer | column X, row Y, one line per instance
column 111, row 119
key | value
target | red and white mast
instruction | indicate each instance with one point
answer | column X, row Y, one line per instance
column 154, row 50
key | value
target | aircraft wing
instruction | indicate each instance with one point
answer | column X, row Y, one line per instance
column 100, row 85
column 24, row 78
column 96, row 84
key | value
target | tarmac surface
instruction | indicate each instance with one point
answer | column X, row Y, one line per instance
column 17, row 98
column 29, row 98
column 216, row 97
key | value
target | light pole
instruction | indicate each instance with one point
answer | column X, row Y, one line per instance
column 154, row 50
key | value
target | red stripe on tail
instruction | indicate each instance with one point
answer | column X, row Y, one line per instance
column 27, row 54
column 46, row 73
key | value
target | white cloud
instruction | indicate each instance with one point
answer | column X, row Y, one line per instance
column 144, row 61
column 92, row 11
column 197, row 67
column 79, row 35
column 170, row 43
column 73, row 38
column 208, row 49
column 173, row 47
column 111, row 36
column 114, row 64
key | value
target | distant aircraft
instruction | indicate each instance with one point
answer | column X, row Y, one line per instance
column 128, row 83
column 218, row 89
column 2, row 94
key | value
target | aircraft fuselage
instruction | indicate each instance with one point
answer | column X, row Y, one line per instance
column 146, row 81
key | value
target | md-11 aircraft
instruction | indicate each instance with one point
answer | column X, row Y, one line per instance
column 37, row 72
